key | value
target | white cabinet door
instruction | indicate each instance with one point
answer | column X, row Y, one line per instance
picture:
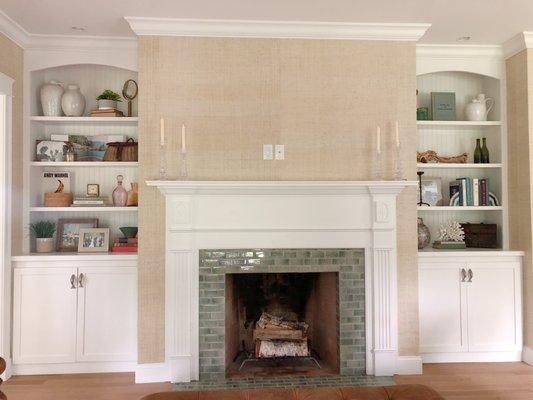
column 494, row 314
column 107, row 314
column 441, row 302
column 44, row 315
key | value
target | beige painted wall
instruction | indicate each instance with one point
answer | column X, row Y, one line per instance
column 520, row 148
column 11, row 64
column 321, row 98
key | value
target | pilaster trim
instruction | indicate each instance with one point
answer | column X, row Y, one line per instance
column 276, row 29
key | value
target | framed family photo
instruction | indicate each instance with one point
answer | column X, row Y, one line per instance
column 94, row 240
column 68, row 230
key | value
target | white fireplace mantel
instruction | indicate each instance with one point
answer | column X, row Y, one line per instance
column 284, row 214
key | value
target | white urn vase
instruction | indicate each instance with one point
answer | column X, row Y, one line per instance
column 51, row 94
column 479, row 108
column 73, row 102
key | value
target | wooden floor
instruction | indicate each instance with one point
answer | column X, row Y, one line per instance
column 502, row 381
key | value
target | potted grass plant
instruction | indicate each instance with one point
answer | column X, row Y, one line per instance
column 108, row 100
column 44, row 235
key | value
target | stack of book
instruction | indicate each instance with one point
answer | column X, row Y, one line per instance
column 125, row 245
column 470, row 192
column 88, row 201
column 113, row 112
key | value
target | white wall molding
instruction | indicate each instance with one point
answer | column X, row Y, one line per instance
column 409, row 365
column 275, row 29
column 527, row 355
column 156, row 372
column 478, row 59
column 12, row 30
column 320, row 215
column 522, row 41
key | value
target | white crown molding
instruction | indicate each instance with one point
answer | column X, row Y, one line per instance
column 12, row 30
column 275, row 29
column 458, row 51
column 522, row 41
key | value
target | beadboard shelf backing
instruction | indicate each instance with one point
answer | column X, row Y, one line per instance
column 451, row 138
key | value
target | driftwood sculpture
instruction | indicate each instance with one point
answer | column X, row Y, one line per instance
column 431, row 156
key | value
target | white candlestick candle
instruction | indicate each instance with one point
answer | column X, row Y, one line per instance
column 397, row 134
column 162, row 140
column 378, row 139
column 183, row 144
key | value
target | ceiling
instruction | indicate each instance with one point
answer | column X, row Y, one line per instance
column 486, row 22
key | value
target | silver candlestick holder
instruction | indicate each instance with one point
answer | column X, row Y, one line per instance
column 398, row 167
column 184, row 171
column 162, row 163
column 378, row 170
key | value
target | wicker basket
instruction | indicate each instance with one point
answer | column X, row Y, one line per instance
column 52, row 199
column 122, row 151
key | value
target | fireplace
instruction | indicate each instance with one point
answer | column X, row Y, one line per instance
column 266, row 312
column 277, row 215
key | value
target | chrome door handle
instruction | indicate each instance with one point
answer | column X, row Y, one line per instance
column 73, row 281
column 80, row 280
column 463, row 274
column 470, row 275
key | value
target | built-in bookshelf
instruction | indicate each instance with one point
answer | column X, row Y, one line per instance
column 92, row 80
column 452, row 138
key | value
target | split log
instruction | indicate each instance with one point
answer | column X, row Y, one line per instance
column 281, row 348
column 278, row 334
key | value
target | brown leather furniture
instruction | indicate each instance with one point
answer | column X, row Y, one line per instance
column 400, row 392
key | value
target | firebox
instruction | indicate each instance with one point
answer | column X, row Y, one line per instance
column 265, row 312
column 282, row 323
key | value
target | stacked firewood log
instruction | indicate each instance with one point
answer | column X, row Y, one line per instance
column 279, row 337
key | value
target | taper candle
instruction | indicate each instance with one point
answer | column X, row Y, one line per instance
column 378, row 140
column 397, row 134
column 183, row 144
column 162, row 140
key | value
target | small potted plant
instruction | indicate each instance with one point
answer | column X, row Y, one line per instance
column 44, row 235
column 108, row 100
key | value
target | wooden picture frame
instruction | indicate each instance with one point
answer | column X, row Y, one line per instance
column 68, row 232
column 93, row 240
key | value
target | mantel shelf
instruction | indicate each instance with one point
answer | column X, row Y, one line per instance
column 459, row 208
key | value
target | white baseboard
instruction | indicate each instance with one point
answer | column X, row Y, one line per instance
column 527, row 355
column 494, row 356
column 409, row 365
column 73, row 368
column 149, row 373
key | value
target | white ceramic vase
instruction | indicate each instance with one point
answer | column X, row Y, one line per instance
column 44, row 245
column 73, row 102
column 479, row 108
column 51, row 94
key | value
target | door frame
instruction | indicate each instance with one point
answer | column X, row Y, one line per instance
column 6, row 108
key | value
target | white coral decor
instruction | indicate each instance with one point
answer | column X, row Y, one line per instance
column 451, row 231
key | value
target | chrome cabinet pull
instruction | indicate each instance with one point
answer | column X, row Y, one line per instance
column 470, row 275
column 80, row 280
column 73, row 281
column 463, row 274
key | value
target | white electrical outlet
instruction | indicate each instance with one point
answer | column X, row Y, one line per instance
column 280, row 152
column 268, row 152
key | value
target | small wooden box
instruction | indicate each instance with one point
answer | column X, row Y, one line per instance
column 52, row 199
column 481, row 235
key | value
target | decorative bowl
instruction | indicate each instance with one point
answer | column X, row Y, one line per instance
column 129, row 231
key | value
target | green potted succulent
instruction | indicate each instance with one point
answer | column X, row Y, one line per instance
column 108, row 99
column 44, row 235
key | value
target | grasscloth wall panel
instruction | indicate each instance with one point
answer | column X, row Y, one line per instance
column 11, row 64
column 320, row 98
column 520, row 127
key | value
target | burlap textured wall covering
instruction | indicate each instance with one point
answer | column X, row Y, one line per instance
column 322, row 99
